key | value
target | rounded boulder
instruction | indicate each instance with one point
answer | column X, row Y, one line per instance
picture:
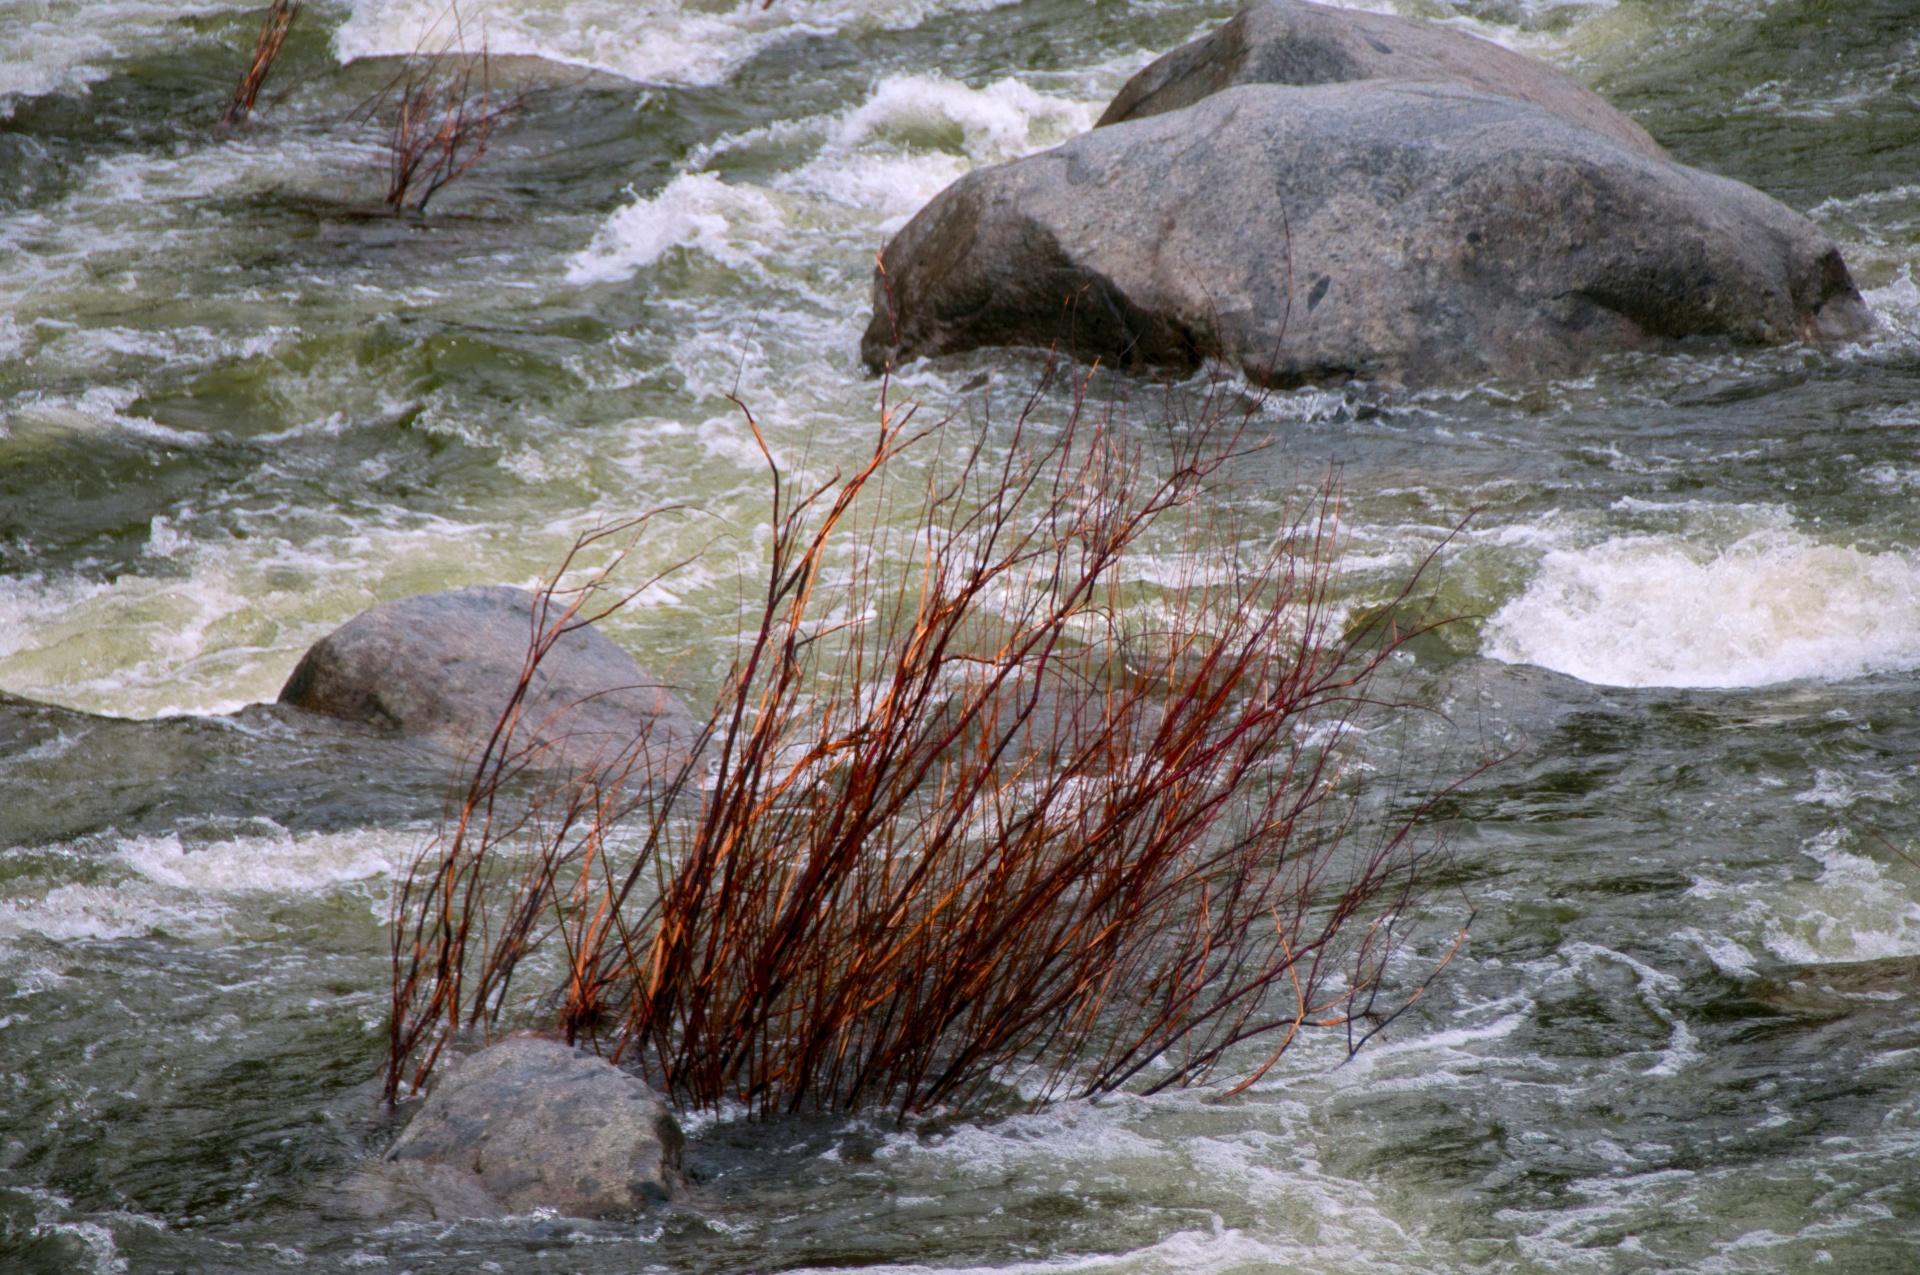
column 1294, row 42
column 532, row 1123
column 443, row 666
column 1401, row 232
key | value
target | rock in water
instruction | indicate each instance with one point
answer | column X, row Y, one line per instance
column 1292, row 42
column 1384, row 230
column 443, row 665
column 537, row 1124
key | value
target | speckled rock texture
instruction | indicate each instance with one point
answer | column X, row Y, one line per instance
column 1292, row 42
column 1402, row 232
column 532, row 1124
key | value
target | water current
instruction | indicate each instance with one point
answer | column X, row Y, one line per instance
column 239, row 404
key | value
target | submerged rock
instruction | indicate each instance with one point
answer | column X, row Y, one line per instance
column 530, row 1123
column 1292, row 42
column 69, row 774
column 443, row 666
column 1394, row 231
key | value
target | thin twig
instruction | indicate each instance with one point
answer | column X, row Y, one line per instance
column 266, row 48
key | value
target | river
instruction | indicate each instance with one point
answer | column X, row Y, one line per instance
column 239, row 404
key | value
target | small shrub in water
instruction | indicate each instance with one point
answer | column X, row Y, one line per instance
column 438, row 113
column 1023, row 799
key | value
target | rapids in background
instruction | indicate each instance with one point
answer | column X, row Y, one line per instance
column 239, row 404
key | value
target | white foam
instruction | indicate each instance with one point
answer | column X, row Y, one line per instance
column 277, row 864
column 103, row 1257
column 1854, row 910
column 167, row 886
column 1897, row 303
column 213, row 621
column 881, row 162
column 72, row 912
column 917, row 134
column 1774, row 606
column 63, row 46
column 687, row 42
column 1729, row 957
column 136, row 221
column 52, row 639
column 1002, row 121
column 1071, row 1130
column 98, row 411
column 893, row 186
column 696, row 211
column 97, row 349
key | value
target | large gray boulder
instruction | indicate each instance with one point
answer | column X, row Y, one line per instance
column 1401, row 232
column 443, row 666
column 1292, row 42
column 531, row 1124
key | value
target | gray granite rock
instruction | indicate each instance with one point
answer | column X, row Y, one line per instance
column 531, row 1123
column 1293, row 42
column 1402, row 232
column 443, row 665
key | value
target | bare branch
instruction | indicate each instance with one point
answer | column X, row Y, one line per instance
column 1054, row 778
column 266, row 48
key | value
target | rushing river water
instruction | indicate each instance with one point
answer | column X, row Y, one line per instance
column 237, row 406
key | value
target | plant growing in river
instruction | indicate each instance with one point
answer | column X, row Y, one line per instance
column 1050, row 787
column 437, row 114
column 266, row 49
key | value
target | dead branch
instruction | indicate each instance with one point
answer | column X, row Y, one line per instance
column 266, row 48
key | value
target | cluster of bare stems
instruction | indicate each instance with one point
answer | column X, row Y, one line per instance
column 1048, row 793
column 438, row 112
column 266, row 48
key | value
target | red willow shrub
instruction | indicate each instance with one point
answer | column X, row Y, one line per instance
column 438, row 112
column 1049, row 789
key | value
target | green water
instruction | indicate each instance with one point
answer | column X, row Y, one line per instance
column 237, row 406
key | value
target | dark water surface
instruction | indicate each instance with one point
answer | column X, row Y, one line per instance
column 236, row 407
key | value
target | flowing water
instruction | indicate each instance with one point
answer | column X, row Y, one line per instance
column 238, row 405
